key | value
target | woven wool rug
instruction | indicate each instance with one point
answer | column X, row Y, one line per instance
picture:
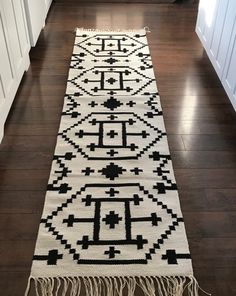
column 112, row 220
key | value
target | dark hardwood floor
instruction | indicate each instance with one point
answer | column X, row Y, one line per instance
column 200, row 122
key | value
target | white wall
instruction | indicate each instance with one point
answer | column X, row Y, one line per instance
column 14, row 53
column 216, row 28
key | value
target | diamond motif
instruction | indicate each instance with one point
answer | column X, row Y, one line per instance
column 112, row 171
column 106, row 44
column 112, row 103
column 96, row 143
column 126, row 220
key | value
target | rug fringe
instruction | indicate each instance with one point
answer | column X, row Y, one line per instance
column 111, row 30
column 115, row 286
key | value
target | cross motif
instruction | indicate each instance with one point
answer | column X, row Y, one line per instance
column 92, row 104
column 85, row 242
column 153, row 218
column 161, row 187
column 111, row 61
column 87, row 171
column 112, row 117
column 143, row 134
column 67, row 156
column 131, row 104
column 111, row 80
column 73, row 104
column 64, row 172
column 112, row 103
column 112, row 219
column 111, row 92
column 71, row 220
column 51, row 258
column 137, row 199
column 160, row 172
column 112, row 152
column 91, row 146
column 112, row 134
column 151, row 115
column 63, row 188
column 136, row 171
column 87, row 200
column 157, row 156
column 112, row 192
column 112, row 171
column 112, row 252
column 133, row 147
column 140, row 242
column 131, row 121
column 172, row 257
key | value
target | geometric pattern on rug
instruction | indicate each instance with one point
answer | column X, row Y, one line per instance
column 112, row 205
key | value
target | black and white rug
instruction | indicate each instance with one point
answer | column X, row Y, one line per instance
column 112, row 218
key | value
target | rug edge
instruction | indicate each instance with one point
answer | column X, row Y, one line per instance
column 106, row 30
column 149, row 285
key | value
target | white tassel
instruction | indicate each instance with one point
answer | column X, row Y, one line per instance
column 115, row 286
column 58, row 285
column 131, row 285
column 146, row 29
column 147, row 285
column 28, row 287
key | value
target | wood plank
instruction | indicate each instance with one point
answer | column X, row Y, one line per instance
column 14, row 227
column 17, row 282
column 221, row 142
column 33, row 129
column 206, row 178
column 220, row 113
column 213, row 253
column 201, row 127
column 207, row 200
column 222, row 199
column 24, row 179
column 192, row 101
column 24, row 202
column 40, row 115
column 210, row 224
column 175, row 143
column 204, row 159
column 28, row 143
column 16, row 256
column 25, row 161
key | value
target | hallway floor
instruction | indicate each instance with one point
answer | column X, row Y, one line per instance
column 200, row 123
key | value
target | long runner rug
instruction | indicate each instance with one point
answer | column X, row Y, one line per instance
column 112, row 220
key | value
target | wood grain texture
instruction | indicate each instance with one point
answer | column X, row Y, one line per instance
column 200, row 123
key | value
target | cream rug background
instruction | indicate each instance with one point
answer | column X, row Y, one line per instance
column 112, row 217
